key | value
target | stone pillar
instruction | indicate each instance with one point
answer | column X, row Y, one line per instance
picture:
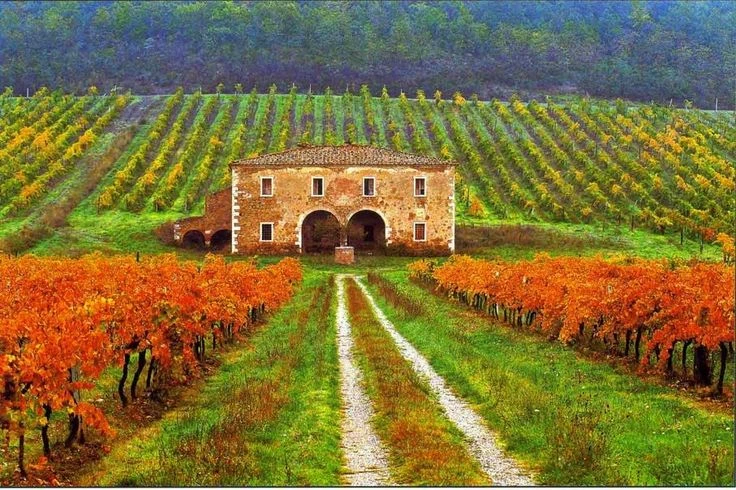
column 344, row 255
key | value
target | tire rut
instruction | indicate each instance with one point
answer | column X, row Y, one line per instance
column 366, row 458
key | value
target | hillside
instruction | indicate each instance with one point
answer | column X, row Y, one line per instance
column 638, row 50
column 144, row 160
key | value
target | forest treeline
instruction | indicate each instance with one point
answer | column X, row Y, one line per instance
column 648, row 51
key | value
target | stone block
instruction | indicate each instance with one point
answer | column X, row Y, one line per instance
column 344, row 255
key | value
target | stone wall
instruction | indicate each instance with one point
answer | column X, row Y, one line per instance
column 217, row 217
column 343, row 196
column 344, row 255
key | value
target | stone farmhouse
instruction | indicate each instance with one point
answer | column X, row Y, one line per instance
column 316, row 198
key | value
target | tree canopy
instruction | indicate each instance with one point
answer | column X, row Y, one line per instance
column 636, row 50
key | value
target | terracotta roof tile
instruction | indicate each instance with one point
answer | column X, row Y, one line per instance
column 348, row 155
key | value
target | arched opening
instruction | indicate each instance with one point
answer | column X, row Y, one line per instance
column 320, row 232
column 193, row 239
column 221, row 240
column 367, row 231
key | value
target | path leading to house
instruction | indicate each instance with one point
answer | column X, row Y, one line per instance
column 366, row 458
column 502, row 470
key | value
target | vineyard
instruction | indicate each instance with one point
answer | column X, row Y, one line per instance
column 43, row 138
column 63, row 322
column 367, row 244
column 640, row 309
column 650, row 167
column 102, row 345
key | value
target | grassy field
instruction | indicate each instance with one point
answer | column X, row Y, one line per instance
column 269, row 411
column 578, row 179
column 111, row 233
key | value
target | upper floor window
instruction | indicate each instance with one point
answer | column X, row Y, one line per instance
column 369, row 186
column 420, row 187
column 266, row 186
column 318, row 186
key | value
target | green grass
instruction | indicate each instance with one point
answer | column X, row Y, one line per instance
column 605, row 240
column 571, row 420
column 269, row 416
column 112, row 232
column 118, row 231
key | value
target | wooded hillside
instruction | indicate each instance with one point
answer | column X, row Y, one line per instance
column 635, row 50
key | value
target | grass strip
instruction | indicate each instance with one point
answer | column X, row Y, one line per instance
column 425, row 448
column 573, row 421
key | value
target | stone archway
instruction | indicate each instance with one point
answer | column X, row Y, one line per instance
column 193, row 239
column 320, row 232
column 221, row 240
column 366, row 231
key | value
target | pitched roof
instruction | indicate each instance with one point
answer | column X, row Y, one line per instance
column 345, row 155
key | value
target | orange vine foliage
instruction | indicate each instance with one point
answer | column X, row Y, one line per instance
column 62, row 322
column 575, row 299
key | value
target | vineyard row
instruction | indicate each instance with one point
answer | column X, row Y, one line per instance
column 641, row 309
column 63, row 322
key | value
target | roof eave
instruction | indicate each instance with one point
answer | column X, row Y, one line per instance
column 253, row 161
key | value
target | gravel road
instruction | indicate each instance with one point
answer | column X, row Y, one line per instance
column 502, row 470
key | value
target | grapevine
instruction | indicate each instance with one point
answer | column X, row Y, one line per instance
column 62, row 322
column 643, row 304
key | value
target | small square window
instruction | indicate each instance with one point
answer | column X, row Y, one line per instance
column 266, row 232
column 420, row 186
column 318, row 186
column 369, row 186
column 266, row 186
column 420, row 232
